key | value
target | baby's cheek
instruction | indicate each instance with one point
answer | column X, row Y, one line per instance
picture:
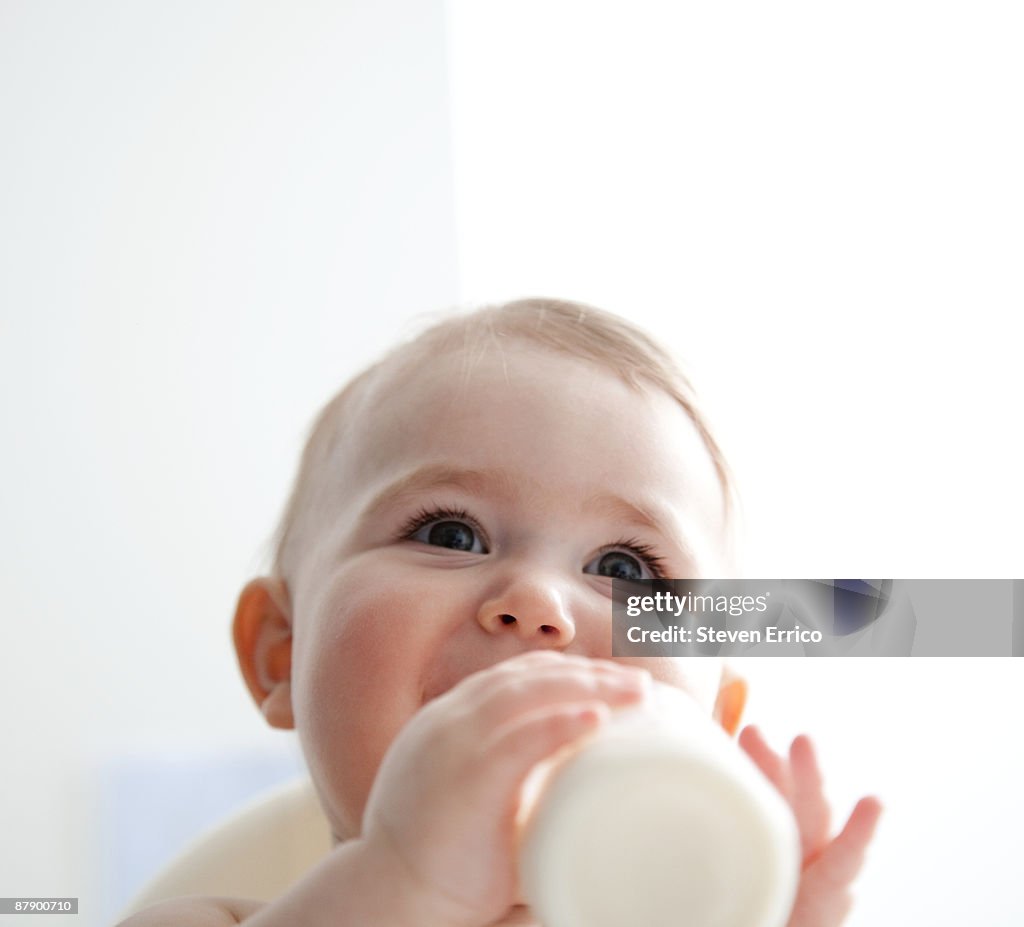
column 354, row 688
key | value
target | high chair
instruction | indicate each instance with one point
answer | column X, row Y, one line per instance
column 257, row 852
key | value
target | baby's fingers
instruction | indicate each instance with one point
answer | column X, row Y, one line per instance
column 515, row 748
column 767, row 760
column 842, row 859
column 808, row 800
column 517, row 687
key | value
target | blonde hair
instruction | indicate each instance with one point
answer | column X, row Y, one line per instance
column 574, row 329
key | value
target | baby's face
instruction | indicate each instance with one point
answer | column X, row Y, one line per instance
column 479, row 513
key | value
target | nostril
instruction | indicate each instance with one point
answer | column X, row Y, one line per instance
column 548, row 629
column 508, row 619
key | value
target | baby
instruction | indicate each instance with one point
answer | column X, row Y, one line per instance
column 439, row 615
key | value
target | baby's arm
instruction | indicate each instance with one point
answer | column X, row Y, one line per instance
column 438, row 841
column 829, row 865
column 195, row 912
column 348, row 887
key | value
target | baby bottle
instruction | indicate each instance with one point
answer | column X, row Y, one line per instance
column 657, row 819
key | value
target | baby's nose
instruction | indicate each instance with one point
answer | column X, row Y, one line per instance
column 534, row 610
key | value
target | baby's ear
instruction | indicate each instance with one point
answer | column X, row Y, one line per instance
column 732, row 697
column 262, row 632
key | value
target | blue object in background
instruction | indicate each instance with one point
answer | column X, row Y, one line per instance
column 152, row 806
column 858, row 603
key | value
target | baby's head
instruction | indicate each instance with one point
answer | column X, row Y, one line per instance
column 464, row 500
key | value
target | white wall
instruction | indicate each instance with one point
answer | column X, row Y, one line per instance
column 818, row 206
column 212, row 213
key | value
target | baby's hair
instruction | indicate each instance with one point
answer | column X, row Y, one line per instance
column 574, row 329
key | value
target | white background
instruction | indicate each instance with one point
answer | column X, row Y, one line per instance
column 211, row 214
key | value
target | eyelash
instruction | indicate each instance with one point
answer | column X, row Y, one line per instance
column 643, row 551
column 425, row 516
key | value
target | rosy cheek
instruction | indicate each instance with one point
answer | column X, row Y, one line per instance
column 356, row 683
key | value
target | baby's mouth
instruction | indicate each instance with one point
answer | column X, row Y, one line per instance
column 435, row 690
column 445, row 682
column 446, row 674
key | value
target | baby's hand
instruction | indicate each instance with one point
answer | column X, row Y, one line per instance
column 829, row 865
column 443, row 806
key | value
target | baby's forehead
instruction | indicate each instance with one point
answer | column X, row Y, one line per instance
column 427, row 377
column 427, row 381
column 406, row 376
column 448, row 385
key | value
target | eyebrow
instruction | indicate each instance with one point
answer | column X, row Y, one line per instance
column 442, row 476
column 616, row 508
column 500, row 483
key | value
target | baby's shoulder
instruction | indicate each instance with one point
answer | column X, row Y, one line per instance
column 195, row 911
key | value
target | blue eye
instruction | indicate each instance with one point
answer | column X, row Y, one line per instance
column 620, row 566
column 446, row 528
column 453, row 534
column 636, row 561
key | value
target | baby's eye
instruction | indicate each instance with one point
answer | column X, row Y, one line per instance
column 453, row 534
column 446, row 529
column 637, row 562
